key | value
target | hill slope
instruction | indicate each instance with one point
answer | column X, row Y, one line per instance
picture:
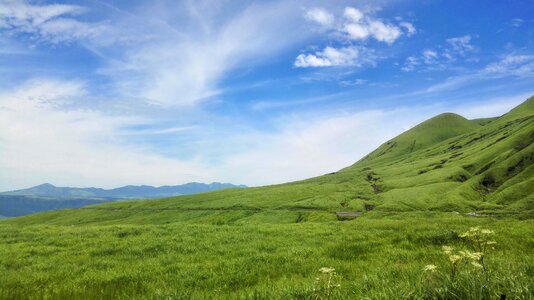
column 430, row 132
column 455, row 165
column 279, row 242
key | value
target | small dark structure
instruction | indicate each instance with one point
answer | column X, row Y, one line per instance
column 347, row 215
column 369, row 207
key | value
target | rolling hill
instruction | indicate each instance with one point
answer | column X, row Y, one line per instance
column 284, row 241
column 447, row 163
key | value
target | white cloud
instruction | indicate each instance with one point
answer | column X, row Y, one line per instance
column 353, row 14
column 511, row 65
column 429, row 56
column 168, row 57
column 43, row 141
column 461, row 44
column 410, row 64
column 357, row 31
column 330, row 57
column 516, row 65
column 51, row 23
column 320, row 15
column 184, row 68
column 516, row 22
column 311, row 146
column 354, row 82
column 18, row 13
column 410, row 28
column 354, row 27
column 361, row 27
column 441, row 57
column 384, row 32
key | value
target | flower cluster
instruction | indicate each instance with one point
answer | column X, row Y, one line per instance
column 326, row 270
column 430, row 268
column 480, row 238
column 479, row 241
column 326, row 283
column 474, row 258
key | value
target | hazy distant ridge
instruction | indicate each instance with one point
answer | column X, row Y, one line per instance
column 125, row 192
column 47, row 197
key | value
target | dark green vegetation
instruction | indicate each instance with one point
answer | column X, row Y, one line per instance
column 47, row 197
column 270, row 242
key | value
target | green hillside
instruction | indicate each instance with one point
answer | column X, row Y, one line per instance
column 447, row 163
column 430, row 132
column 269, row 242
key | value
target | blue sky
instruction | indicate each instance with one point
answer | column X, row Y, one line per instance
column 108, row 93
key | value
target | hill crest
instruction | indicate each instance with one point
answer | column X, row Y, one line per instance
column 434, row 130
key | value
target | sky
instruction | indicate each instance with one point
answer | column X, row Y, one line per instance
column 110, row 93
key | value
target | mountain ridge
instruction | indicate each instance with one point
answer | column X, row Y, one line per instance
column 45, row 197
column 123, row 192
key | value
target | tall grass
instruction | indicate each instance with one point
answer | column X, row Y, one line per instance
column 373, row 257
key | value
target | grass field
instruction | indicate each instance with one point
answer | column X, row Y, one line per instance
column 375, row 257
column 282, row 241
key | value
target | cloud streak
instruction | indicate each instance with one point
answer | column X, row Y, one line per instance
column 185, row 69
column 49, row 23
column 166, row 57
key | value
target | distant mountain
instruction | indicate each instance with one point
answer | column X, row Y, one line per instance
column 125, row 192
column 46, row 196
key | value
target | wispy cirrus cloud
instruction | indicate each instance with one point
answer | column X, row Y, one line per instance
column 508, row 66
column 520, row 65
column 166, row 57
column 48, row 23
column 185, row 69
column 440, row 56
column 516, row 22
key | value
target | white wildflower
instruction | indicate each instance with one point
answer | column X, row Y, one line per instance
column 430, row 268
column 327, row 270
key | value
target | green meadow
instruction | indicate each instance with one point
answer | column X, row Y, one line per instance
column 379, row 256
column 285, row 241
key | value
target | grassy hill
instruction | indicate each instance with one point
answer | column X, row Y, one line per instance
column 269, row 242
column 447, row 163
